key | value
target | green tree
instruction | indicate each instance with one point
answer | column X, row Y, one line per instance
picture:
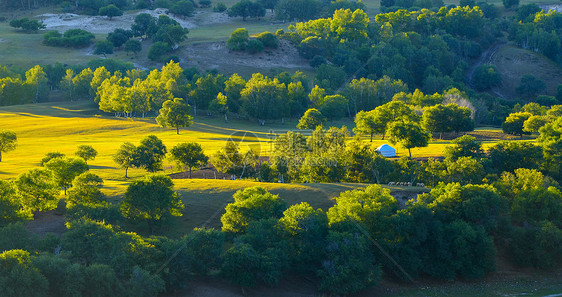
column 514, row 123
column 503, row 154
column 103, row 47
column 305, row 230
column 465, row 170
column 38, row 191
column 151, row 200
column 530, row 86
column 311, row 119
column 150, row 153
column 510, row 3
column 349, row 266
column 8, row 142
column 65, row 170
column 185, row 8
column 486, row 76
column 551, row 142
column 18, row 276
column 110, row 11
column 230, row 160
column 85, row 190
column 220, row 105
column 10, row 207
column 51, row 155
column 409, row 135
column 368, row 208
column 534, row 123
column 464, row 146
column 175, row 114
column 189, row 154
column 333, row 106
column 125, row 156
column 133, row 46
column 444, row 118
column 251, row 204
column 365, row 123
column 158, row 49
column 238, row 40
column 86, row 152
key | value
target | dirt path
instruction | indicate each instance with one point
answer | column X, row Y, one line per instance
column 485, row 58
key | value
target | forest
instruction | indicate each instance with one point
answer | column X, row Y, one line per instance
column 411, row 75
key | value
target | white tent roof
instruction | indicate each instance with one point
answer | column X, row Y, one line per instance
column 386, row 150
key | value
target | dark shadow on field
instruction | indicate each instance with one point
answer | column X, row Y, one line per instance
column 100, row 167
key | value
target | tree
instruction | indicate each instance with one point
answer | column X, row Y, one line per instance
column 238, row 40
column 464, row 146
column 349, row 266
column 150, row 153
column 144, row 25
column 369, row 208
column 251, row 204
column 220, row 105
column 333, row 106
column 151, row 200
column 110, row 11
column 10, row 208
column 444, row 118
column 183, row 7
column 175, row 114
column 38, row 191
column 51, row 155
column 305, row 229
column 65, row 170
column 365, row 123
column 27, row 24
column 241, row 265
column 510, row 3
column 530, row 86
column 119, row 36
column 86, row 152
column 514, row 123
column 189, row 154
column 8, row 142
column 409, row 134
column 18, row 276
column 311, row 119
column 158, row 49
column 551, row 141
column 486, row 76
column 534, row 123
column 125, row 156
column 103, row 47
column 85, row 190
column 133, row 46
column 503, row 154
column 465, row 170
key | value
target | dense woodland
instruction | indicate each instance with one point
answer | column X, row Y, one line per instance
column 401, row 75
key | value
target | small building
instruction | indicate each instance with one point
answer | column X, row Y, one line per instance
column 386, row 150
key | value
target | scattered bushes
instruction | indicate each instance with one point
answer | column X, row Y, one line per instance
column 71, row 38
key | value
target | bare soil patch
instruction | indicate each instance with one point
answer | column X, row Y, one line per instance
column 47, row 222
column 215, row 55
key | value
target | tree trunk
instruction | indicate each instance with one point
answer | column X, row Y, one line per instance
column 372, row 136
column 440, row 135
column 383, row 136
column 409, row 152
column 64, row 191
column 0, row 156
column 189, row 171
column 177, row 130
column 126, row 169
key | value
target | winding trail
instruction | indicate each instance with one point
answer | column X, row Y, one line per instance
column 485, row 58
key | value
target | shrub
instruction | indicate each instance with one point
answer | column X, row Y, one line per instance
column 254, row 46
column 157, row 50
column 219, row 7
column 268, row 39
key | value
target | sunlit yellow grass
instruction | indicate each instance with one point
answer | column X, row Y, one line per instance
column 62, row 127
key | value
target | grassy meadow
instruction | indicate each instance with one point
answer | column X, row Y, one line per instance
column 62, row 127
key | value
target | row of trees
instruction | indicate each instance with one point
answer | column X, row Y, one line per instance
column 451, row 232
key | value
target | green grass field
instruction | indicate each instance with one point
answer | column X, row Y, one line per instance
column 62, row 127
